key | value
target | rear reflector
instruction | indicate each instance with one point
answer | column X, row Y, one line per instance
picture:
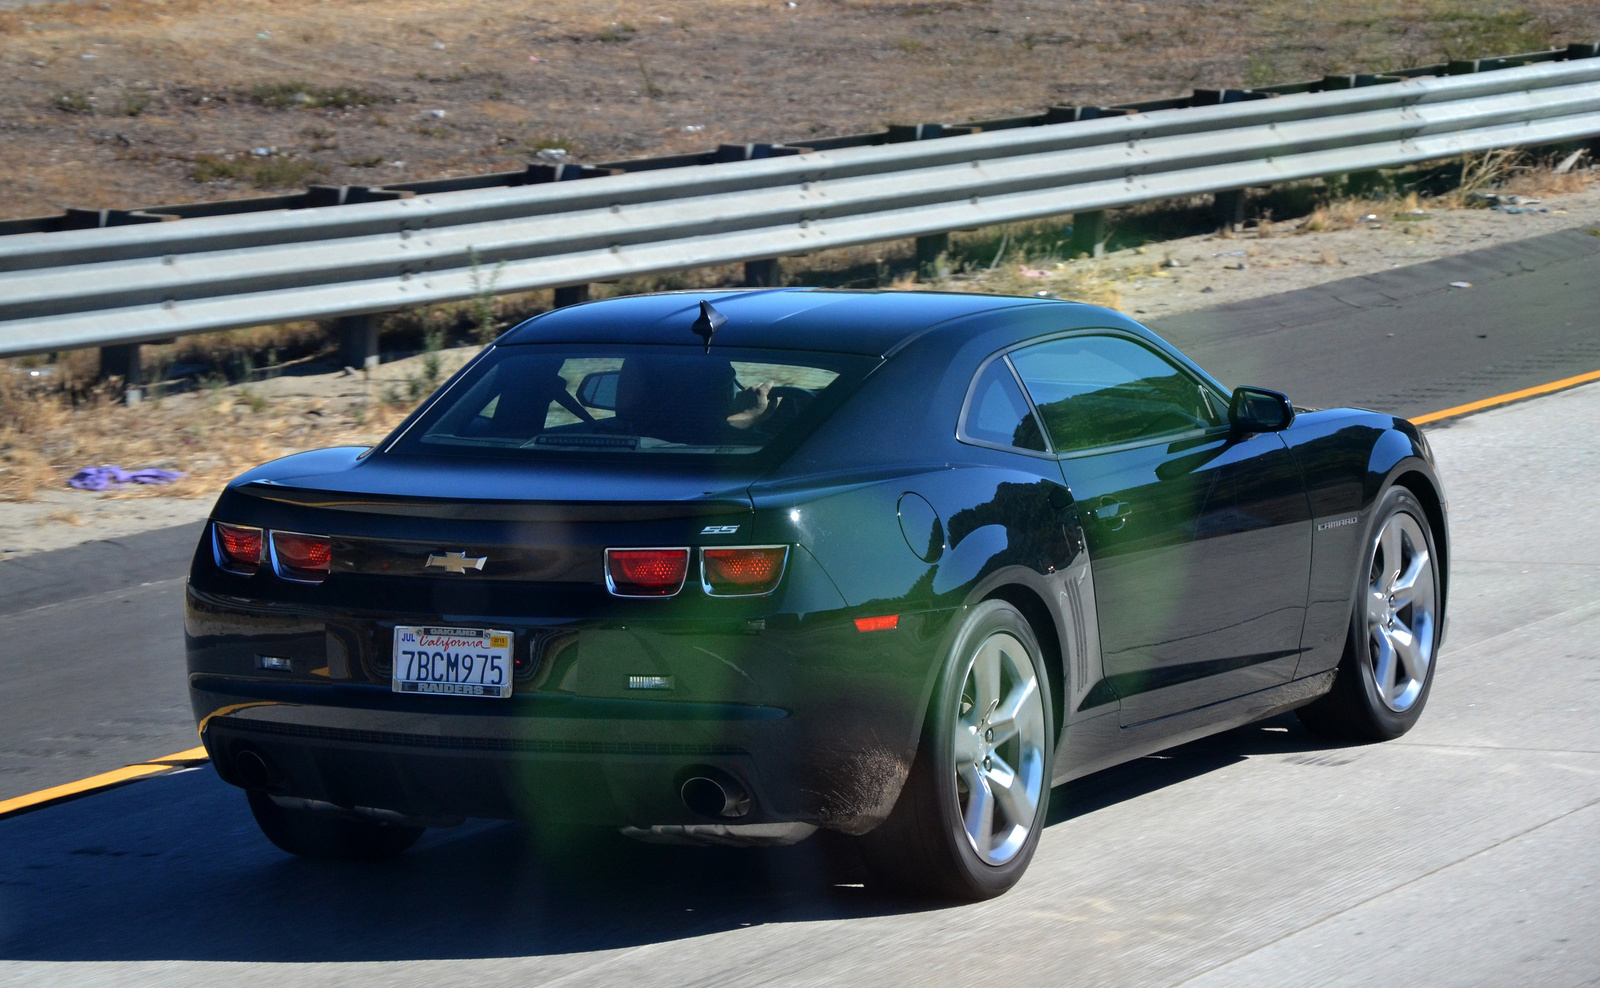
column 238, row 548
column 301, row 557
column 746, row 571
column 887, row 622
column 646, row 572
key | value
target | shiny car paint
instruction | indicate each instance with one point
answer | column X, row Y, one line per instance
column 1177, row 587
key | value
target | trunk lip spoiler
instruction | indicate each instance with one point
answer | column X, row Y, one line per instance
column 497, row 510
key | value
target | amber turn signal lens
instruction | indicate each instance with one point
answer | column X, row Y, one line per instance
column 886, row 622
column 742, row 572
column 646, row 572
column 239, row 547
column 302, row 556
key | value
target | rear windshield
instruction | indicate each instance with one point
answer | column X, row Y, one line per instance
column 619, row 400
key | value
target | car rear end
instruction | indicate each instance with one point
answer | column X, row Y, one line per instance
column 565, row 609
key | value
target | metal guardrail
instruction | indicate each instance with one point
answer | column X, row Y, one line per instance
column 147, row 281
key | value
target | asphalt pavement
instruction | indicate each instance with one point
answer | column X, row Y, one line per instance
column 1467, row 853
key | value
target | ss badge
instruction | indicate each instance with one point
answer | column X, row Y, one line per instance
column 720, row 530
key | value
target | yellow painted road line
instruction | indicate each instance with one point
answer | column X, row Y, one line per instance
column 1473, row 406
column 182, row 757
column 82, row 787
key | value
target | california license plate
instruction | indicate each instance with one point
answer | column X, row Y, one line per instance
column 455, row 661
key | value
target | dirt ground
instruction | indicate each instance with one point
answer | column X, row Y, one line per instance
column 142, row 102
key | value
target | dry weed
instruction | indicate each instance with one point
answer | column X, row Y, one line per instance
column 211, row 436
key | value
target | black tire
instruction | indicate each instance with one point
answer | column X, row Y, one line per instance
column 313, row 834
column 1353, row 709
column 923, row 848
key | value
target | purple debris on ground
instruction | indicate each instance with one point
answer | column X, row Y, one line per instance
column 105, row 478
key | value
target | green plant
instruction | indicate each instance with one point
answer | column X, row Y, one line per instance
column 294, row 94
column 432, row 343
column 618, row 33
column 134, row 101
column 1261, row 70
column 73, row 101
column 370, row 161
column 483, row 298
column 278, row 173
column 211, row 168
column 650, row 88
column 257, row 402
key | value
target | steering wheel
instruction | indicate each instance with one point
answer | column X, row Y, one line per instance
column 794, row 402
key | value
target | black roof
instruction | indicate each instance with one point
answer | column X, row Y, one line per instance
column 866, row 322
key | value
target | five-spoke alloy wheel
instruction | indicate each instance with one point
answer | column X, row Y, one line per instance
column 999, row 748
column 1382, row 682
column 969, row 817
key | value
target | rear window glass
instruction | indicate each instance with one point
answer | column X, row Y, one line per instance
column 608, row 399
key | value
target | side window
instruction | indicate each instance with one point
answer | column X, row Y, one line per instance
column 998, row 413
column 1107, row 390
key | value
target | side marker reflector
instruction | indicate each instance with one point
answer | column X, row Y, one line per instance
column 887, row 622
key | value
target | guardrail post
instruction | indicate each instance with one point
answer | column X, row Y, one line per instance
column 933, row 248
column 358, row 342
column 122, row 360
column 761, row 274
column 1229, row 209
column 931, row 253
column 1088, row 234
column 571, row 295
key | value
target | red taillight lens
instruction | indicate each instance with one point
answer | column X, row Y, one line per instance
column 742, row 572
column 238, row 547
column 305, row 557
column 646, row 572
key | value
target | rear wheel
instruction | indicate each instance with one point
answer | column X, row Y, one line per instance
column 316, row 834
column 1387, row 669
column 968, row 820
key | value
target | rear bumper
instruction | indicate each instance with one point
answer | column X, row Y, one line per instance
column 817, row 721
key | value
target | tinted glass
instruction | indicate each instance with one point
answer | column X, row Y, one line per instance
column 1105, row 390
column 999, row 413
column 608, row 399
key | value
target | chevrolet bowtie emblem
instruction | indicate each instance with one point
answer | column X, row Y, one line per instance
column 457, row 562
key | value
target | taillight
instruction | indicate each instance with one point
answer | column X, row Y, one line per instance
column 746, row 571
column 238, row 548
column 306, row 558
column 646, row 572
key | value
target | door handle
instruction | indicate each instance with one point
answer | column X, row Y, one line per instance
column 1112, row 512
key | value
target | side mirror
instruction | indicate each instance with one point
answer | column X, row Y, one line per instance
column 599, row 390
column 1259, row 410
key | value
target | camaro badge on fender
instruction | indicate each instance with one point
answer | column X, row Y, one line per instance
column 457, row 562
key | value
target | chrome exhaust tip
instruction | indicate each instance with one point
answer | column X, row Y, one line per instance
column 253, row 770
column 715, row 795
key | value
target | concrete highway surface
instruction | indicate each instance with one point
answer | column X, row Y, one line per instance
column 1466, row 853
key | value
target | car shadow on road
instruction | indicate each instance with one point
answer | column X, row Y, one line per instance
column 174, row 869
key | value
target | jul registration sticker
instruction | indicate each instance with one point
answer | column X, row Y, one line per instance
column 454, row 661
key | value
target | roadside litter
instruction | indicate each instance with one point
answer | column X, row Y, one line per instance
column 109, row 477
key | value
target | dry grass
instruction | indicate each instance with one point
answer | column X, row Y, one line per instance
column 177, row 94
column 211, row 435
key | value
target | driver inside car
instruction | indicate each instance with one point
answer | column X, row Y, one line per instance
column 754, row 405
